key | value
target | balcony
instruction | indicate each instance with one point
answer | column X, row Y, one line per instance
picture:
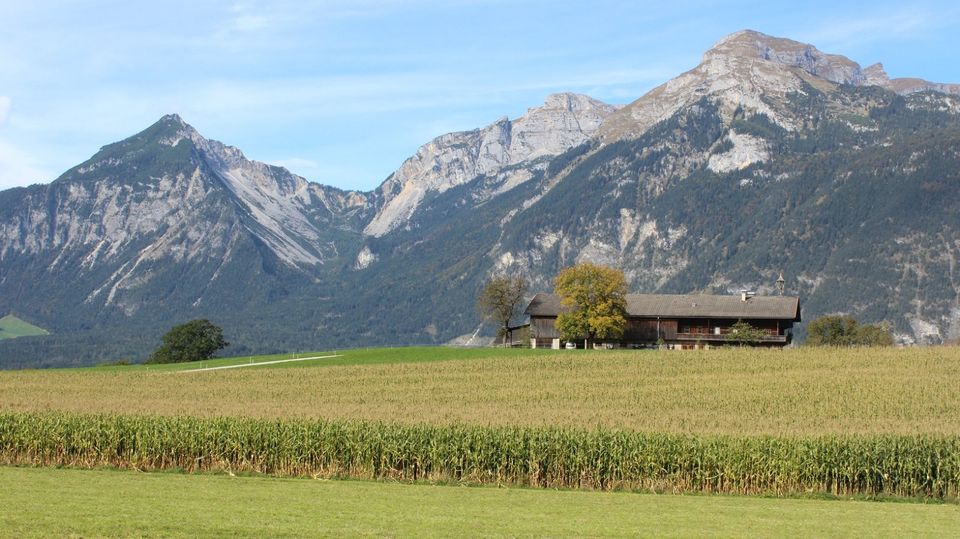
column 724, row 336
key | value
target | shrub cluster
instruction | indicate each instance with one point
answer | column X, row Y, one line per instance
column 846, row 331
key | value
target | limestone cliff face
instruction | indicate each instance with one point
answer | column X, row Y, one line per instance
column 562, row 122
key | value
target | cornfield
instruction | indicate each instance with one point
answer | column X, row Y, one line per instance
column 801, row 392
column 899, row 465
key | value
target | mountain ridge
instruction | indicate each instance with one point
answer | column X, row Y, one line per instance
column 743, row 62
column 563, row 121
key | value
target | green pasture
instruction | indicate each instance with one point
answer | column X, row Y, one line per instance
column 12, row 327
column 353, row 356
column 53, row 502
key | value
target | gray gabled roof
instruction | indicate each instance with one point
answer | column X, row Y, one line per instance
column 687, row 306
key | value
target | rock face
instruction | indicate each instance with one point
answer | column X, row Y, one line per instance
column 564, row 121
column 769, row 156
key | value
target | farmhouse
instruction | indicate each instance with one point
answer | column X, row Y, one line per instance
column 682, row 321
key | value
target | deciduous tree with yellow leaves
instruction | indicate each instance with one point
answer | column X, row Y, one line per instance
column 595, row 297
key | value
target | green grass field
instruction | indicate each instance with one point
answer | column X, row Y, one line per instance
column 12, row 327
column 357, row 356
column 50, row 502
column 806, row 391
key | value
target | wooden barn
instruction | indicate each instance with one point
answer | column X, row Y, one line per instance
column 681, row 321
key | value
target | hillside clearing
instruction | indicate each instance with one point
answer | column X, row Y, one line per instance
column 12, row 327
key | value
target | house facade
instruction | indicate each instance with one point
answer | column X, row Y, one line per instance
column 679, row 321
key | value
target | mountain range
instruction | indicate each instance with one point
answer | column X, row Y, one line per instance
column 769, row 156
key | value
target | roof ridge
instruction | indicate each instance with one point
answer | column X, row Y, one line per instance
column 682, row 306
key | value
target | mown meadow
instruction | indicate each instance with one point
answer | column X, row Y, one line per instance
column 57, row 502
column 875, row 422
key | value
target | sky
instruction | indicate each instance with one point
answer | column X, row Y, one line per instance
column 342, row 91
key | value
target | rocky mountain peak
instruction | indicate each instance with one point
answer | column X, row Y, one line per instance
column 563, row 121
column 167, row 132
column 751, row 44
column 573, row 102
column 172, row 123
column 173, row 118
column 171, row 129
column 752, row 71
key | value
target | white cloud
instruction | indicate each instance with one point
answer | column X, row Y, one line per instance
column 249, row 23
column 245, row 21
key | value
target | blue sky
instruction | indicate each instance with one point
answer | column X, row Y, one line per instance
column 341, row 92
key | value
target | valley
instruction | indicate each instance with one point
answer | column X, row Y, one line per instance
column 769, row 156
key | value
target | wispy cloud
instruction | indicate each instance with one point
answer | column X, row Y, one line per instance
column 249, row 23
column 346, row 89
column 857, row 31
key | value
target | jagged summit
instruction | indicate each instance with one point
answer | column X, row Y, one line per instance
column 752, row 71
column 751, row 44
column 832, row 67
column 562, row 122
column 170, row 124
column 571, row 102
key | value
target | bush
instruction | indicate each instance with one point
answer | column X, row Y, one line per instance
column 117, row 363
column 743, row 334
column 846, row 331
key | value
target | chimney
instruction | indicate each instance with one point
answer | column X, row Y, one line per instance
column 746, row 294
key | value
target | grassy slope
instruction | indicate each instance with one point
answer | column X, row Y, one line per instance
column 12, row 327
column 739, row 392
column 57, row 502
